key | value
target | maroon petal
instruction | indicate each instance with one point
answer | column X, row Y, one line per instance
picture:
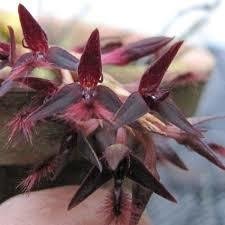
column 141, row 175
column 88, row 152
column 90, row 66
column 61, row 159
column 219, row 149
column 38, row 84
column 12, row 55
column 152, row 77
column 168, row 154
column 91, row 183
column 108, row 98
column 134, row 51
column 66, row 96
column 35, row 37
column 133, row 108
column 202, row 148
column 22, row 67
column 62, row 59
column 170, row 112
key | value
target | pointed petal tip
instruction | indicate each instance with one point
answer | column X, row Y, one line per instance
column 153, row 76
column 71, row 205
column 22, row 10
column 35, row 37
column 90, row 66
column 172, row 198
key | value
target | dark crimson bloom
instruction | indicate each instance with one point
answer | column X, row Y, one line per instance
column 83, row 100
column 120, row 136
column 41, row 54
column 118, row 163
column 74, row 102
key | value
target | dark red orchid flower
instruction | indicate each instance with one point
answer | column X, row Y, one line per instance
column 74, row 103
column 120, row 139
column 83, row 100
column 152, row 97
column 41, row 54
column 118, row 163
column 156, row 98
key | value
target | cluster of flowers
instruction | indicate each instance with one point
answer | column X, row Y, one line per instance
column 120, row 136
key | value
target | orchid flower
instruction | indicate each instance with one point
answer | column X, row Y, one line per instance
column 41, row 54
column 120, row 137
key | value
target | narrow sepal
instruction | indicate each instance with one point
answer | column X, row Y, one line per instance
column 153, row 76
column 133, row 108
column 22, row 68
column 108, row 98
column 87, row 151
column 166, row 153
column 63, row 98
column 12, row 55
column 90, row 66
column 91, row 183
column 61, row 159
column 218, row 149
column 171, row 113
column 202, row 148
column 62, row 59
column 141, row 175
column 134, row 51
column 172, row 157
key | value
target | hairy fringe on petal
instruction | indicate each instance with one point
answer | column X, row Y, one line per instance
column 109, row 215
column 45, row 170
column 20, row 126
